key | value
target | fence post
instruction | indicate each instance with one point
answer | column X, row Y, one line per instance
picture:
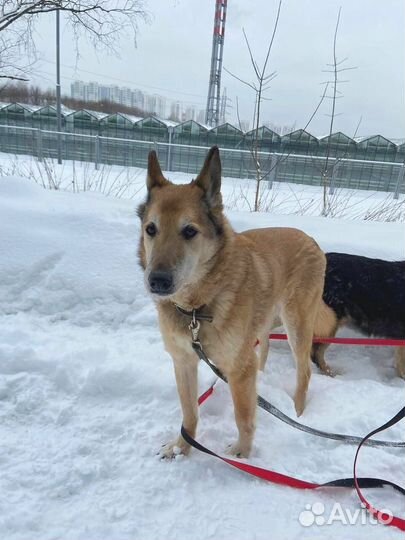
column 332, row 178
column 273, row 170
column 39, row 145
column 169, row 150
column 97, row 153
column 400, row 179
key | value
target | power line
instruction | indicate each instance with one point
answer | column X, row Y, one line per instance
column 125, row 80
column 40, row 74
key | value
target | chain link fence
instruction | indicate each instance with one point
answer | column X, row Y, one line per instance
column 335, row 172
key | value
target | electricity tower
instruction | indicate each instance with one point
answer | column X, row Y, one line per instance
column 212, row 113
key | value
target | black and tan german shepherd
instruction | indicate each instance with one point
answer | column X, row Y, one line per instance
column 368, row 295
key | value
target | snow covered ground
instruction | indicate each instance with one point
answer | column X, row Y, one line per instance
column 283, row 198
column 87, row 393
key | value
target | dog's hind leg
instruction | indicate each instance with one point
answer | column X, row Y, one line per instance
column 318, row 357
column 263, row 349
column 242, row 383
column 300, row 331
column 400, row 361
column 263, row 337
column 326, row 325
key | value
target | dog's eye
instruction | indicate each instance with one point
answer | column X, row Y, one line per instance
column 151, row 229
column 189, row 232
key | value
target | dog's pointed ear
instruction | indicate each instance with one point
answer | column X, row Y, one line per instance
column 155, row 176
column 209, row 179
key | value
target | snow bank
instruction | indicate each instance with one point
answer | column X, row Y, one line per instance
column 87, row 393
column 238, row 194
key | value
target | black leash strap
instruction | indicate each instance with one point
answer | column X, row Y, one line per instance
column 278, row 478
column 354, row 483
column 268, row 407
column 364, row 482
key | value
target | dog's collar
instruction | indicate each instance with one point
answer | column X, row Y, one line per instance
column 195, row 314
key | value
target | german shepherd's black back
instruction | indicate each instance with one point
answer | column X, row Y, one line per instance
column 369, row 293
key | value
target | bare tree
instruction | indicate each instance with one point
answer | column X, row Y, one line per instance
column 260, row 85
column 329, row 165
column 327, row 168
column 100, row 20
column 263, row 162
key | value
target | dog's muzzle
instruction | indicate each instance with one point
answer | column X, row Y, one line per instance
column 161, row 282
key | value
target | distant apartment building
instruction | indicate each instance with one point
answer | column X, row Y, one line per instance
column 155, row 104
column 181, row 114
column 104, row 93
column 189, row 114
column 77, row 90
column 91, row 92
column 176, row 111
column 126, row 97
column 201, row 116
column 150, row 103
column 115, row 94
column 138, row 99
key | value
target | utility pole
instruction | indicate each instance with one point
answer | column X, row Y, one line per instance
column 58, row 103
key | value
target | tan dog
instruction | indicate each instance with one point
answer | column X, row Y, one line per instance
column 193, row 258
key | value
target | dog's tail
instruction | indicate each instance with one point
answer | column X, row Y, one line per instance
column 326, row 322
column 326, row 325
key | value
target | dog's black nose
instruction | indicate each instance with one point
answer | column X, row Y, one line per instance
column 161, row 282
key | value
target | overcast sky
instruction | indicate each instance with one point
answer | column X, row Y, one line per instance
column 173, row 56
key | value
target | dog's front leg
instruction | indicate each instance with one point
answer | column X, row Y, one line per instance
column 186, row 369
column 243, row 388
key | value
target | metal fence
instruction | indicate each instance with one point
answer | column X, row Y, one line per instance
column 342, row 171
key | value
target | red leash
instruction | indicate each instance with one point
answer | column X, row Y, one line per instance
column 285, row 480
column 349, row 341
column 278, row 478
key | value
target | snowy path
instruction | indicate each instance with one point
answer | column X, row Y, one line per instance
column 87, row 393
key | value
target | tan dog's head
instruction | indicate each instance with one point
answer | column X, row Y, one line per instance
column 182, row 227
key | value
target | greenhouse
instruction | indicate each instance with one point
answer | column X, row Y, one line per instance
column 151, row 129
column 46, row 118
column 267, row 140
column 299, row 157
column 299, row 142
column 191, row 133
column 401, row 153
column 117, row 125
column 337, row 145
column 16, row 114
column 84, row 121
column 376, row 148
column 227, row 136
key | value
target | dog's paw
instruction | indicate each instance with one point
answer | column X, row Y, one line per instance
column 238, row 450
column 299, row 402
column 179, row 447
column 401, row 371
column 329, row 371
